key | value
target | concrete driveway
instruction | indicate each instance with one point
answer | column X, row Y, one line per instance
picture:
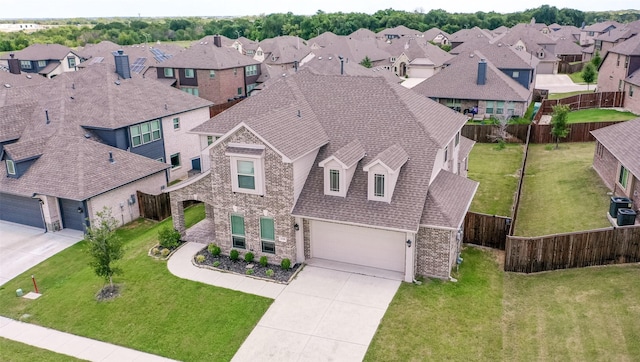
column 323, row 315
column 22, row 247
column 559, row 83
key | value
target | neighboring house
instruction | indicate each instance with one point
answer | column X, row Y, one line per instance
column 471, row 81
column 528, row 40
column 465, row 35
column 520, row 66
column 617, row 159
column 362, row 34
column 568, row 31
column 351, row 50
column 398, row 32
column 283, row 51
column 211, row 71
column 48, row 60
column 604, row 42
column 318, row 166
column 631, row 95
column 416, row 58
column 589, row 33
column 620, row 62
column 245, row 46
column 499, row 30
column 436, row 36
column 141, row 56
column 567, row 50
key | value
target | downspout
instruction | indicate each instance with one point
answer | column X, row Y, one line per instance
column 44, row 222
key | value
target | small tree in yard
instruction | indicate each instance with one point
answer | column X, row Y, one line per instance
column 500, row 133
column 366, row 62
column 596, row 60
column 559, row 125
column 589, row 74
column 105, row 247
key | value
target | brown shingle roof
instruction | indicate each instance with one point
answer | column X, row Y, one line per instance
column 431, row 34
column 362, row 33
column 77, row 168
column 41, row 52
column 501, row 55
column 350, row 153
column 208, row 56
column 14, row 120
column 25, row 150
column 20, row 80
column 465, row 147
column 459, row 80
column 634, row 78
column 622, row 141
column 448, row 200
column 630, row 46
column 600, row 27
column 285, row 49
column 393, row 157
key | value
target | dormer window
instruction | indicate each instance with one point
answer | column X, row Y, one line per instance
column 340, row 167
column 383, row 173
column 11, row 167
column 247, row 168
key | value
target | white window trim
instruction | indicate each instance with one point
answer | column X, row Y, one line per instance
column 11, row 168
column 371, row 181
column 382, row 176
column 331, row 173
column 618, row 174
column 258, row 168
column 179, row 161
column 173, row 123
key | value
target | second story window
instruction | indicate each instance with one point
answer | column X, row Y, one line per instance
column 334, row 180
column 378, row 186
column 251, row 70
column 176, row 123
column 145, row 133
column 11, row 167
column 188, row 73
column 42, row 63
column 212, row 74
column 25, row 64
column 72, row 62
column 168, row 72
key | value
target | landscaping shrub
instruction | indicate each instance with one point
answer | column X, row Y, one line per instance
column 234, row 255
column 216, row 264
column 263, row 261
column 168, row 238
column 248, row 257
column 501, row 145
column 200, row 258
column 165, row 252
column 269, row 273
column 285, row 264
column 155, row 251
column 214, row 249
column 249, row 272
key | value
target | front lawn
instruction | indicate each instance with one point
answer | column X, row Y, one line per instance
column 599, row 115
column 497, row 172
column 156, row 313
column 16, row 351
column 586, row 314
column 561, row 191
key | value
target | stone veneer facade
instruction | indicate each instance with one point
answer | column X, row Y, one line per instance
column 276, row 202
column 436, row 250
column 199, row 190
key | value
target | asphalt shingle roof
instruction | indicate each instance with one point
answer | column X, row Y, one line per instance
column 393, row 157
column 459, row 80
column 350, row 153
column 285, row 49
column 622, row 141
column 448, row 200
column 630, row 46
column 209, row 56
column 41, row 52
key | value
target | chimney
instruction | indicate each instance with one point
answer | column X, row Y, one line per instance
column 217, row 41
column 122, row 64
column 111, row 157
column 482, row 72
column 14, row 64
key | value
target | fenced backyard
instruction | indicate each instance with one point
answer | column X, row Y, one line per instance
column 486, row 230
column 154, row 207
column 582, row 101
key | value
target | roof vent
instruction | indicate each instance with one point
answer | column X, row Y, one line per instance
column 29, row 76
column 7, row 85
column 46, row 116
column 111, row 158
column 166, row 107
column 298, row 113
column 73, row 86
column 86, row 135
column 117, row 82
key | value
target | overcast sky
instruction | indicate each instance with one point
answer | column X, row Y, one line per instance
column 158, row 8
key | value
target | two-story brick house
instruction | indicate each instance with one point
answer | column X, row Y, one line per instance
column 620, row 63
column 350, row 169
column 211, row 71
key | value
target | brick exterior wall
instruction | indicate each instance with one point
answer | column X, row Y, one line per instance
column 199, row 190
column 307, row 239
column 605, row 165
column 632, row 102
column 277, row 201
column 434, row 248
column 223, row 86
column 610, row 73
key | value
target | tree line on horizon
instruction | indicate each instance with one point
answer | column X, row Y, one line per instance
column 127, row 31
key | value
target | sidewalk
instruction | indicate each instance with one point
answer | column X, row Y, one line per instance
column 69, row 344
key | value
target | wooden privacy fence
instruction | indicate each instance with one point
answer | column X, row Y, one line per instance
column 219, row 108
column 540, row 133
column 486, row 230
column 482, row 132
column 566, row 67
column 585, row 101
column 573, row 250
column 155, row 207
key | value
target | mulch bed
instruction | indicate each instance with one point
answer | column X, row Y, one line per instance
column 108, row 292
column 240, row 267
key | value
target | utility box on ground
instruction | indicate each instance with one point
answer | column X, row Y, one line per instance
column 618, row 203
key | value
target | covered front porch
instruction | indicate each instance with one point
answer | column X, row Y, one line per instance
column 186, row 193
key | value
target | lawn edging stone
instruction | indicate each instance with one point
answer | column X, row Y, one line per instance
column 160, row 248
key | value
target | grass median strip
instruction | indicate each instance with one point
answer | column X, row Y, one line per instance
column 156, row 312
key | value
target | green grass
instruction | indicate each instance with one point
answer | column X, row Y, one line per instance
column 577, row 78
column 561, row 191
column 587, row 314
column 16, row 351
column 156, row 312
column 567, row 94
column 599, row 115
column 497, row 172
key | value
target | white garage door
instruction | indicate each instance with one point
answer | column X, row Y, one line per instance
column 358, row 245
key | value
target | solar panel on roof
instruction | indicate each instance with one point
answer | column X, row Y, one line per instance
column 138, row 65
column 97, row 60
column 159, row 55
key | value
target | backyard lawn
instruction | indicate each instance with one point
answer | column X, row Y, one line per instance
column 577, row 78
column 16, row 351
column 599, row 115
column 561, row 191
column 586, row 314
column 497, row 172
column 567, row 94
column 156, row 312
